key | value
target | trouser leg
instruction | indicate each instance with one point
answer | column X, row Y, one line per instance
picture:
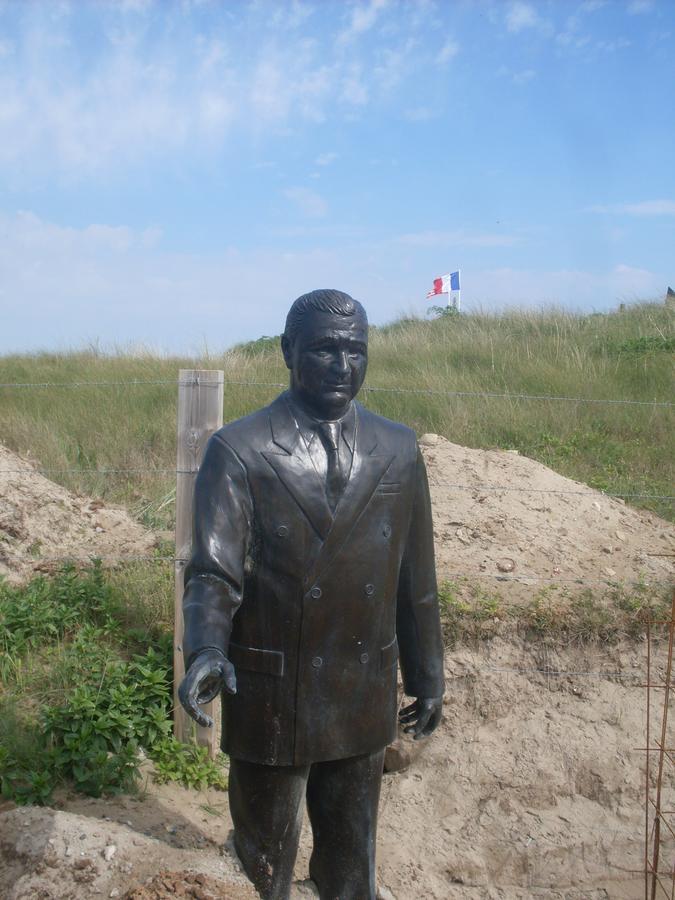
column 342, row 800
column 265, row 809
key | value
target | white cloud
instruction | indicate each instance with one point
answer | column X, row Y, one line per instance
column 643, row 208
column 448, row 51
column 310, row 203
column 520, row 16
column 392, row 65
column 420, row 114
column 354, row 90
column 457, row 238
column 134, row 94
column 638, row 7
column 67, row 285
column 524, row 76
column 571, row 288
column 612, row 46
column 325, row 159
column 362, row 19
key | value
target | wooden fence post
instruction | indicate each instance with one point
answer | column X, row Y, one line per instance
column 200, row 413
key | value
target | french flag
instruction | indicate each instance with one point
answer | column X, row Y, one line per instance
column 445, row 284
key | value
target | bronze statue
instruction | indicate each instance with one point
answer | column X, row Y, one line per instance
column 312, row 573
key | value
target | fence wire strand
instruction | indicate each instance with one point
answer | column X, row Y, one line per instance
column 491, row 488
column 371, row 389
column 524, row 578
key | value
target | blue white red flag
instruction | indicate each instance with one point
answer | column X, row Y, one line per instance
column 445, row 284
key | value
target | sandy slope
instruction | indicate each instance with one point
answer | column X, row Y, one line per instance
column 504, row 515
column 532, row 788
column 498, row 516
column 40, row 520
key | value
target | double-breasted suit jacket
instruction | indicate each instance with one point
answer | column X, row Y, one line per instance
column 313, row 607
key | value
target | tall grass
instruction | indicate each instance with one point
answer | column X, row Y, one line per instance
column 618, row 448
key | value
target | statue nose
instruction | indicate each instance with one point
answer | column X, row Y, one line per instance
column 342, row 362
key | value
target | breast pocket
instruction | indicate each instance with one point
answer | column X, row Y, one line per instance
column 388, row 487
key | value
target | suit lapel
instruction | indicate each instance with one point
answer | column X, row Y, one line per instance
column 292, row 463
column 367, row 469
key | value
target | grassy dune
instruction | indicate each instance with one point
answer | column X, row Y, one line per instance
column 616, row 447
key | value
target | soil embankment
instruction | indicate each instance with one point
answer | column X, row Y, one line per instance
column 533, row 786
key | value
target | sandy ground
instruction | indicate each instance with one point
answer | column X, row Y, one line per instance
column 499, row 518
column 533, row 787
column 41, row 521
column 517, row 523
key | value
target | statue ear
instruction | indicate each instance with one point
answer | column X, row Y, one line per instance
column 286, row 349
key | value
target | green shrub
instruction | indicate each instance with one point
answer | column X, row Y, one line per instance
column 107, row 711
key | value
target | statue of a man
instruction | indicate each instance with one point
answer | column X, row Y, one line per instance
column 312, row 574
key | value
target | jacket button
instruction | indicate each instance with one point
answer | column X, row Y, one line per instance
column 370, row 589
column 315, row 592
column 317, row 662
column 363, row 658
column 386, row 531
column 282, row 530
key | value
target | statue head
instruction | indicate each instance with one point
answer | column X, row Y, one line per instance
column 325, row 346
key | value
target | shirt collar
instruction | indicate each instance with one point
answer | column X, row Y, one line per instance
column 308, row 424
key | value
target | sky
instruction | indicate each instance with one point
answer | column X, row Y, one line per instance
column 174, row 174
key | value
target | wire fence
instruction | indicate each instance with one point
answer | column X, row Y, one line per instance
column 481, row 488
column 366, row 389
column 525, row 579
column 478, row 487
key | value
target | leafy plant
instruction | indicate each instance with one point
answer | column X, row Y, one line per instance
column 105, row 712
column 188, row 765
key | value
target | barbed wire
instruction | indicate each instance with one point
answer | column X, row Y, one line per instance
column 509, row 396
column 368, row 389
column 496, row 488
column 523, row 578
column 134, row 382
column 561, row 673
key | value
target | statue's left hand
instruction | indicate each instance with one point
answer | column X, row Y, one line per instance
column 422, row 716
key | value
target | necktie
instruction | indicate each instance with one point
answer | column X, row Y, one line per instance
column 330, row 433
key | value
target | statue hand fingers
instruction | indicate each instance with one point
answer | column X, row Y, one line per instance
column 187, row 694
column 229, row 677
column 408, row 712
column 433, row 723
column 420, row 729
column 406, row 717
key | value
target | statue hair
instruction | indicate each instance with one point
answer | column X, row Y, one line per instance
column 326, row 300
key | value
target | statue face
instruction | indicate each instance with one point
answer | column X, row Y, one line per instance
column 328, row 361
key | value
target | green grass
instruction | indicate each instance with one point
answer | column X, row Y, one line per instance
column 86, row 683
column 553, row 615
column 617, row 448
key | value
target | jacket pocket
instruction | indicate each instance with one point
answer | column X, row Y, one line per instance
column 388, row 487
column 251, row 659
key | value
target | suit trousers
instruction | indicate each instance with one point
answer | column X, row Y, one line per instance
column 342, row 800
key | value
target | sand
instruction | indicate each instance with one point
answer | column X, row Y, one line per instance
column 532, row 787
column 40, row 522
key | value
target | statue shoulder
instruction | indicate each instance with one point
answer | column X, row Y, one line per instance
column 248, row 431
column 395, row 434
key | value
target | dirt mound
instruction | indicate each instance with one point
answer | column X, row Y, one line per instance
column 187, row 886
column 47, row 854
column 41, row 521
column 504, row 515
column 531, row 789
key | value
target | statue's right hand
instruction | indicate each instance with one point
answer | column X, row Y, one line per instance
column 208, row 674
